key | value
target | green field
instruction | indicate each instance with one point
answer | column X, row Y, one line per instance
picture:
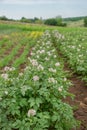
column 33, row 82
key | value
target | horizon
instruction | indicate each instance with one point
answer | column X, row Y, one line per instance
column 43, row 18
column 17, row 9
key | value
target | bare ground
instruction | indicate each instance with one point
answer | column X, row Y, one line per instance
column 79, row 89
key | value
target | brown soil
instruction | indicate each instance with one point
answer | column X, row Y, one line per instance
column 23, row 66
column 20, row 51
column 8, row 51
column 79, row 103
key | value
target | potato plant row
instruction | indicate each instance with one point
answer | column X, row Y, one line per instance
column 33, row 99
column 15, row 47
column 74, row 47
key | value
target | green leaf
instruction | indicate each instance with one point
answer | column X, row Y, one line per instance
column 38, row 101
column 32, row 102
column 54, row 118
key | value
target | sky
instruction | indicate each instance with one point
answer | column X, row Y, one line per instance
column 42, row 8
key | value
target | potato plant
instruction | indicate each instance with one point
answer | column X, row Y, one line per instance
column 33, row 99
column 74, row 47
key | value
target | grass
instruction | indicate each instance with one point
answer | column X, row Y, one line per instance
column 79, row 23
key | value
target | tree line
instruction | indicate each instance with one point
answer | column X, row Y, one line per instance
column 57, row 21
column 73, row 19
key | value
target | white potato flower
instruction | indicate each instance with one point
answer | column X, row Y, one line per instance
column 31, row 112
column 4, row 76
column 52, row 80
column 60, row 89
column 52, row 70
column 57, row 64
column 40, row 67
column 35, row 78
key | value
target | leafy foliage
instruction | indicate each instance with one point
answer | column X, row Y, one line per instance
column 55, row 22
column 85, row 22
column 33, row 100
column 74, row 47
column 74, row 18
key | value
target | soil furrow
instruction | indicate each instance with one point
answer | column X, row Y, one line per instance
column 79, row 103
column 79, row 89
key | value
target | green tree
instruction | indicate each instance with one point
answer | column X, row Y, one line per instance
column 55, row 21
column 85, row 22
column 3, row 18
column 51, row 21
column 59, row 20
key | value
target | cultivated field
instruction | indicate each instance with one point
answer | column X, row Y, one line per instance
column 35, row 81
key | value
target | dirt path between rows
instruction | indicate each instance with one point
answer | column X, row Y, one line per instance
column 79, row 89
